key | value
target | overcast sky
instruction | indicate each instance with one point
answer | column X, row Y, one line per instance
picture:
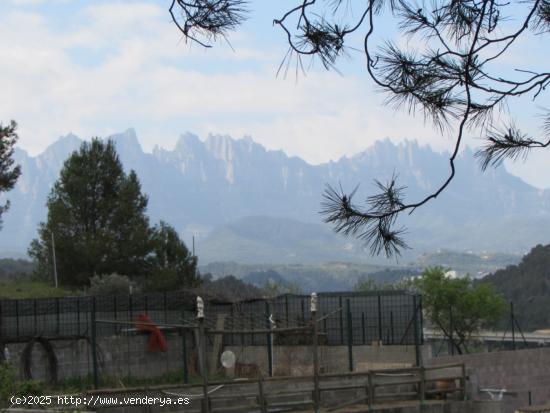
column 99, row 67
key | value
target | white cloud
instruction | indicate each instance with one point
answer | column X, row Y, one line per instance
column 120, row 65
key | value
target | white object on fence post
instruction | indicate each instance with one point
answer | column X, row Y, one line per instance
column 202, row 355
column 313, row 307
column 200, row 307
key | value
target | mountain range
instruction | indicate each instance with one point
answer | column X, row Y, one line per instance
column 249, row 204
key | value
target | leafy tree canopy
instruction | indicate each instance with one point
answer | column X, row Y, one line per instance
column 454, row 67
column 96, row 216
column 458, row 306
column 172, row 263
column 8, row 172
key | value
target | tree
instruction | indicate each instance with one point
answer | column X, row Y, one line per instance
column 272, row 288
column 8, row 172
column 173, row 265
column 458, row 306
column 455, row 73
column 229, row 288
column 96, row 214
column 370, row 284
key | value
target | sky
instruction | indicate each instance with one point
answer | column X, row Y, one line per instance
column 94, row 68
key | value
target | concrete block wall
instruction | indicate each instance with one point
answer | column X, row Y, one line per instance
column 125, row 356
column 118, row 356
column 298, row 360
column 517, row 371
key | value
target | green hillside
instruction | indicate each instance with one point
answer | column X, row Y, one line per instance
column 528, row 286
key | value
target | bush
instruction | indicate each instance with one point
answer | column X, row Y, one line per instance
column 111, row 284
column 7, row 382
column 9, row 387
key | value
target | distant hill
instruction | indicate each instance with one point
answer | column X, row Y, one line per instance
column 473, row 263
column 528, row 286
column 15, row 268
column 332, row 276
column 264, row 239
column 244, row 202
column 261, row 278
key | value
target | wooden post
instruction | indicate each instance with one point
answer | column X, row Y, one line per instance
column 261, row 397
column 370, row 381
column 316, row 391
column 205, row 408
column 422, row 385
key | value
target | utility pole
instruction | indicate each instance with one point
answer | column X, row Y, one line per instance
column 54, row 263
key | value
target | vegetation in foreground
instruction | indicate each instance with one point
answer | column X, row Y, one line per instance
column 458, row 307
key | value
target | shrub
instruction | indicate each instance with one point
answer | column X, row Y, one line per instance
column 111, row 284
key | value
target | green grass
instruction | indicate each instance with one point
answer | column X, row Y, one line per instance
column 79, row 384
column 16, row 289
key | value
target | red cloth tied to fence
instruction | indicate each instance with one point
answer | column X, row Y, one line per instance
column 157, row 341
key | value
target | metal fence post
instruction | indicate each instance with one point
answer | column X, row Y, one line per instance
column 184, row 355
column 416, row 332
column 379, row 319
column 391, row 328
column 341, row 319
column 422, row 385
column 78, row 316
column 421, row 315
column 451, row 328
column 513, row 325
column 130, row 307
column 286, row 309
column 363, row 328
column 269, row 340
column 35, row 317
column 164, row 308
column 350, row 335
column 17, row 317
column 57, row 320
column 316, row 392
column 114, row 307
column 94, row 345
column 252, row 328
